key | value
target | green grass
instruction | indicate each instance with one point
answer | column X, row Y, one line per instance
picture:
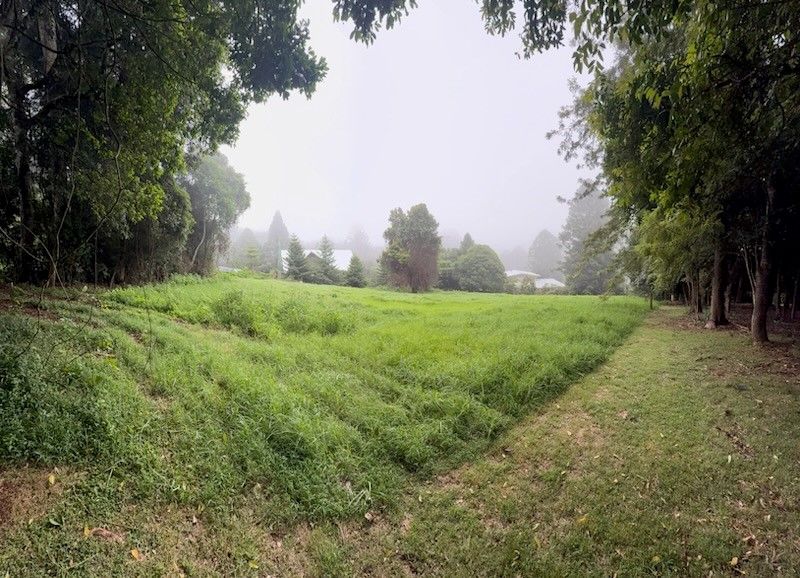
column 239, row 403
column 679, row 457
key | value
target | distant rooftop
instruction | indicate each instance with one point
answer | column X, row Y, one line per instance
column 519, row 273
column 548, row 283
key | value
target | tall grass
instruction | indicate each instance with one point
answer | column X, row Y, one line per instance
column 306, row 401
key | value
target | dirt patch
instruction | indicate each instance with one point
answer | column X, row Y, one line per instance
column 26, row 493
column 580, row 429
column 288, row 552
column 28, row 309
column 736, row 437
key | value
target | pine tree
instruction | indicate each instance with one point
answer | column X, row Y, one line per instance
column 296, row 266
column 277, row 241
column 355, row 273
column 329, row 270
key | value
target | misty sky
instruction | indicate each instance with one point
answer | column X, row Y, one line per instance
column 435, row 111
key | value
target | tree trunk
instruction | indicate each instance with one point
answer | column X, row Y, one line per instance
column 696, row 295
column 200, row 244
column 718, row 283
column 25, row 259
column 761, row 290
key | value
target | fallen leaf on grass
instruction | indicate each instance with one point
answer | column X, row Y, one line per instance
column 51, row 479
column 136, row 555
column 734, row 561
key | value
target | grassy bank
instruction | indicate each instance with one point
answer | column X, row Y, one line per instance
column 195, row 421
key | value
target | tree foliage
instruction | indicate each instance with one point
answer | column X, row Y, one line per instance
column 322, row 269
column 218, row 196
column 277, row 241
column 586, row 269
column 696, row 128
column 411, row 257
column 355, row 275
column 480, row 269
column 296, row 266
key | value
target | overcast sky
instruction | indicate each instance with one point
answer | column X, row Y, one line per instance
column 435, row 111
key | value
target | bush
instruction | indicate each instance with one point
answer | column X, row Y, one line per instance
column 480, row 269
column 235, row 311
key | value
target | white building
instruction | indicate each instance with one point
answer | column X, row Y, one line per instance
column 539, row 282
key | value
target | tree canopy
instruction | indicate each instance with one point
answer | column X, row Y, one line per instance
column 585, row 269
column 696, row 130
column 218, row 196
column 480, row 269
column 411, row 257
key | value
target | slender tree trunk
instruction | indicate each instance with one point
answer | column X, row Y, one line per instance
column 761, row 290
column 200, row 244
column 25, row 263
column 697, row 296
column 794, row 298
column 718, row 283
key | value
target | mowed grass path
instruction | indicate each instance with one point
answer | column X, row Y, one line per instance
column 182, row 416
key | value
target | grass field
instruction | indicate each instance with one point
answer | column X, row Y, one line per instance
column 180, row 428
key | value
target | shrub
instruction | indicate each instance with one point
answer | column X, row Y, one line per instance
column 233, row 309
column 480, row 269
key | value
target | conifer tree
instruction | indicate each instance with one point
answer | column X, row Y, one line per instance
column 355, row 273
column 328, row 264
column 296, row 266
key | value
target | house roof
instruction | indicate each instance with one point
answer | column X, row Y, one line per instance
column 519, row 273
column 341, row 257
column 548, row 283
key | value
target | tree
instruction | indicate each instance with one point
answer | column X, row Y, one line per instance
column 277, row 241
column 104, row 105
column 700, row 123
column 586, row 270
column 328, row 261
column 354, row 277
column 218, row 196
column 544, row 256
column 447, row 275
column 296, row 266
column 322, row 265
column 466, row 244
column 413, row 248
column 480, row 269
